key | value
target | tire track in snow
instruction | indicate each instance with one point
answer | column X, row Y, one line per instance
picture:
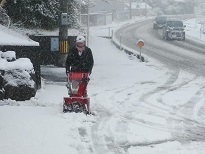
column 106, row 143
column 188, row 128
column 183, row 127
column 102, row 136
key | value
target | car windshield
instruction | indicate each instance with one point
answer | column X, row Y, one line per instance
column 175, row 23
column 161, row 18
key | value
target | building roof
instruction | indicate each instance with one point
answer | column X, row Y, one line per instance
column 9, row 37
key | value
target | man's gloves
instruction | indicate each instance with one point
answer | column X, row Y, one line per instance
column 67, row 72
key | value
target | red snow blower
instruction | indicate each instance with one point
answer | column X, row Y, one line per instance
column 77, row 91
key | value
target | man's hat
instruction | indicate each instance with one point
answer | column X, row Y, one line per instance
column 80, row 39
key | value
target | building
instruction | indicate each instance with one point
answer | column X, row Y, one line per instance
column 107, row 6
column 138, row 8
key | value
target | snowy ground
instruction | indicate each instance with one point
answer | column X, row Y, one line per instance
column 135, row 112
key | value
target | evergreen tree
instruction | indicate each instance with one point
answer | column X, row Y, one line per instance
column 73, row 11
column 36, row 13
column 41, row 13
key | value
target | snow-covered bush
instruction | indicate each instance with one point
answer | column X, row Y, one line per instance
column 9, row 55
column 0, row 54
column 18, row 64
column 18, row 85
column 17, row 77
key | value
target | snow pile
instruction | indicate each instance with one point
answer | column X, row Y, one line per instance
column 9, row 55
column 9, row 62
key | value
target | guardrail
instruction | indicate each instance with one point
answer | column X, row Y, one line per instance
column 118, row 43
column 127, row 50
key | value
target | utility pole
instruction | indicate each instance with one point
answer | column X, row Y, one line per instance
column 130, row 9
column 145, row 9
column 88, row 22
column 63, row 34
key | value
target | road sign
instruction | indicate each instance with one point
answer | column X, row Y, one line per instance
column 140, row 43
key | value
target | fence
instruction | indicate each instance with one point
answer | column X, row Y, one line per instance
column 98, row 19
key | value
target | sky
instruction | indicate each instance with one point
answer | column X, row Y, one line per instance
column 133, row 113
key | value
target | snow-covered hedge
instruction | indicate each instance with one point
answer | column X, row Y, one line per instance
column 17, row 75
column 9, row 55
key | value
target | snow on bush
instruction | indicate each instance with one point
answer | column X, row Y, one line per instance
column 17, row 72
column 18, row 77
column 19, row 64
column 0, row 54
column 9, row 55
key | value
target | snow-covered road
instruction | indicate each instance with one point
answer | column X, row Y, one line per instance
column 187, row 55
column 140, row 108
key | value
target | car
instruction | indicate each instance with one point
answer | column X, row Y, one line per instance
column 174, row 29
column 159, row 22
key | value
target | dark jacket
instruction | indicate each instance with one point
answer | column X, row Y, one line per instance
column 77, row 63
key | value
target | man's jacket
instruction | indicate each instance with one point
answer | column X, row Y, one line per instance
column 79, row 63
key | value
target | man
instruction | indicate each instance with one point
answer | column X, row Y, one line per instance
column 80, row 58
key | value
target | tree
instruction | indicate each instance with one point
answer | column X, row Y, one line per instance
column 38, row 13
column 73, row 9
column 41, row 13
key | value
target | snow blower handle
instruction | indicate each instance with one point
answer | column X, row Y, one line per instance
column 68, row 77
column 77, row 75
